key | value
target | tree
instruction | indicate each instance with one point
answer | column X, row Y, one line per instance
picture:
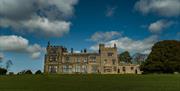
column 125, row 57
column 28, row 72
column 8, row 64
column 3, row 71
column 11, row 73
column 139, row 58
column 23, row 72
column 164, row 58
column 38, row 72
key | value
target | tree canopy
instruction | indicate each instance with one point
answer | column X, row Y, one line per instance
column 38, row 72
column 24, row 72
column 164, row 58
column 125, row 57
column 3, row 71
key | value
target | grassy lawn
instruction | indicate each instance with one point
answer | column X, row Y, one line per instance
column 90, row 83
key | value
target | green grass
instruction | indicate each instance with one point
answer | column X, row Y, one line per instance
column 90, row 83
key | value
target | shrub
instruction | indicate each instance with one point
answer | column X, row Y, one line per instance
column 23, row 72
column 28, row 72
column 11, row 73
column 38, row 72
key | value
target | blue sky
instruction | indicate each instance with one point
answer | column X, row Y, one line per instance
column 134, row 25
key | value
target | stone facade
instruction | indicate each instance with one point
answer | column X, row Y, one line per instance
column 58, row 60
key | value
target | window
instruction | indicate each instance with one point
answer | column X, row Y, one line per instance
column 67, row 68
column 84, row 68
column 105, row 61
column 93, row 58
column 85, row 60
column 67, row 59
column 110, row 54
column 113, row 61
column 52, row 58
column 124, row 69
column 132, row 68
column 94, row 69
column 53, row 51
column 114, row 68
column 53, row 69
column 107, row 70
column 78, row 60
column 78, row 68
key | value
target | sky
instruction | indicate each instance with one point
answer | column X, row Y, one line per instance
column 133, row 25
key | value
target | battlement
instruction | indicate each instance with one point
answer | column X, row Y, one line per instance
column 102, row 46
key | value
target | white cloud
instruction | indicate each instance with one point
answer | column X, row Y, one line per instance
column 64, row 7
column 45, row 17
column 39, row 25
column 18, row 44
column 12, row 43
column 77, row 51
column 159, row 26
column 35, row 55
column 17, row 9
column 168, row 8
column 110, row 11
column 104, row 36
column 133, row 46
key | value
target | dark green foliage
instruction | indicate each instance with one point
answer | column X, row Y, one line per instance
column 28, row 72
column 24, row 72
column 125, row 57
column 38, row 72
column 164, row 58
column 3, row 71
column 11, row 73
column 21, row 73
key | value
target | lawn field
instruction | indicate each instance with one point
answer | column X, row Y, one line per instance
column 90, row 83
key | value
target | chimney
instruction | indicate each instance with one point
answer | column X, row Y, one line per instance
column 85, row 50
column 114, row 45
column 71, row 50
column 48, row 43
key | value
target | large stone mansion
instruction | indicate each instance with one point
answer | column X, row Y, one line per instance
column 59, row 60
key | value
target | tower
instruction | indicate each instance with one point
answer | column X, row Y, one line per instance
column 109, row 59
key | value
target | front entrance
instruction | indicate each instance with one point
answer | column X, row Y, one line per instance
column 118, row 71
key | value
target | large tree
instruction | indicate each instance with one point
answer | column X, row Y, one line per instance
column 125, row 57
column 3, row 71
column 164, row 58
column 9, row 63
